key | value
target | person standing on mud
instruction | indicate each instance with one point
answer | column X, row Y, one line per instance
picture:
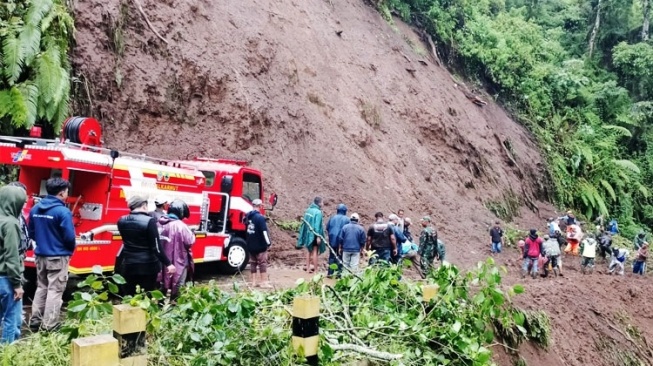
column 12, row 200
column 496, row 235
column 588, row 254
column 551, row 250
column 51, row 227
column 381, row 239
column 311, row 233
column 428, row 246
column 258, row 242
column 333, row 228
column 619, row 256
column 141, row 255
column 532, row 252
column 401, row 222
column 393, row 221
column 177, row 240
column 351, row 243
column 639, row 264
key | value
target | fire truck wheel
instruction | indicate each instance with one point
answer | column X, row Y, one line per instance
column 237, row 257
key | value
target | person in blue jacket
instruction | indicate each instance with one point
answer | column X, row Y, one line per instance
column 351, row 243
column 51, row 227
column 393, row 220
column 333, row 228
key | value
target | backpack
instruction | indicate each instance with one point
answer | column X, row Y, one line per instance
column 381, row 235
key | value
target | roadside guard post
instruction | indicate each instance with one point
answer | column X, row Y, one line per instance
column 129, row 329
column 100, row 350
column 305, row 327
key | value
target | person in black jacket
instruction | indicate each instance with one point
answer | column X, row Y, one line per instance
column 141, row 256
column 258, row 242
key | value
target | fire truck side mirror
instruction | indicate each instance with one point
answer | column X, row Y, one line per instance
column 227, row 184
column 114, row 154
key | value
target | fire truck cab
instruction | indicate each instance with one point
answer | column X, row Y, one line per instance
column 218, row 192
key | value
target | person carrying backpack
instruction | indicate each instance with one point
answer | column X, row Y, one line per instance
column 381, row 239
column 639, row 265
column 551, row 250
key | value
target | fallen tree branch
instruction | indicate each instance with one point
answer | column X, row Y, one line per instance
column 366, row 351
column 140, row 9
column 434, row 51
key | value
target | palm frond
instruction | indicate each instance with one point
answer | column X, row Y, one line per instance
column 587, row 154
column 627, row 164
column 643, row 190
column 31, row 96
column 623, row 131
column 30, row 42
column 13, row 57
column 608, row 187
column 49, row 74
column 37, row 11
column 62, row 114
column 624, row 176
column 19, row 109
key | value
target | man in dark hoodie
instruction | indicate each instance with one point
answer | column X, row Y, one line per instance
column 333, row 228
column 532, row 252
column 51, row 227
column 12, row 200
column 258, row 242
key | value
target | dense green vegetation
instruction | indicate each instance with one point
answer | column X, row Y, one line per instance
column 375, row 316
column 577, row 73
column 35, row 38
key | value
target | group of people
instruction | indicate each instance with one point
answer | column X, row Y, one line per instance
column 566, row 236
column 149, row 240
column 390, row 241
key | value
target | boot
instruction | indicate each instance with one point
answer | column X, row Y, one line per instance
column 252, row 279
column 523, row 273
column 263, row 281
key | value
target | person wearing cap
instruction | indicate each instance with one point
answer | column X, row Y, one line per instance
column 333, row 228
column 407, row 223
column 532, row 253
column 428, row 246
column 51, row 226
column 553, row 226
column 258, row 242
column 141, row 255
column 351, row 243
column 159, row 211
column 409, row 248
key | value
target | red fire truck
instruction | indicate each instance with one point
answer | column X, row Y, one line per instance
column 218, row 192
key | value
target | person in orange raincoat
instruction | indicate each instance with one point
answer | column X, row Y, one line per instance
column 574, row 237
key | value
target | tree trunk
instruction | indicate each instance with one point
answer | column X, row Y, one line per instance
column 647, row 14
column 595, row 29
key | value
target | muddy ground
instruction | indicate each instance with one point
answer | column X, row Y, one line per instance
column 327, row 98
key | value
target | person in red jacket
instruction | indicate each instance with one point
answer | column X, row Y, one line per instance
column 532, row 252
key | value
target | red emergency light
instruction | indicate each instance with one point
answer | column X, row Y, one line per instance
column 35, row 132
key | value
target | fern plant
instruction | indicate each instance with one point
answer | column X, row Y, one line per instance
column 35, row 80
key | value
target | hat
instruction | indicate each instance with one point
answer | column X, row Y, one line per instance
column 533, row 231
column 160, row 201
column 136, row 202
column 546, row 237
column 393, row 217
column 355, row 216
column 426, row 218
column 408, row 221
column 257, row 202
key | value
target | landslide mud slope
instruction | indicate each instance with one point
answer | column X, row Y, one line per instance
column 318, row 112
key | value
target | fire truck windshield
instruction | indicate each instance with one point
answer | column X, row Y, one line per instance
column 210, row 178
column 251, row 186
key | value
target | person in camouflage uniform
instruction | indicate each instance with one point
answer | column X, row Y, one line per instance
column 428, row 246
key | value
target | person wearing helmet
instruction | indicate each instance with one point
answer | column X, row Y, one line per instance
column 160, row 211
column 177, row 240
column 333, row 228
column 258, row 242
column 351, row 243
